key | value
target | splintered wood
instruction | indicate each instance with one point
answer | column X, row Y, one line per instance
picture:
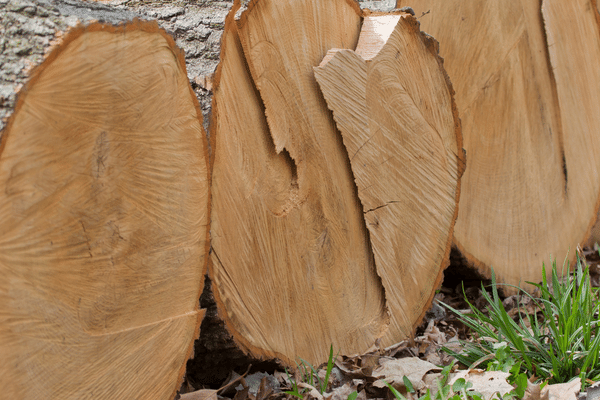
column 294, row 269
column 393, row 104
column 528, row 93
column 104, row 214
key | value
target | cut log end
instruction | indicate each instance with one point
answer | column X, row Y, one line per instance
column 104, row 215
column 528, row 92
column 299, row 263
column 394, row 107
column 288, row 284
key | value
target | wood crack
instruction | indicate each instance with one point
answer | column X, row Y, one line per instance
column 556, row 103
column 377, row 208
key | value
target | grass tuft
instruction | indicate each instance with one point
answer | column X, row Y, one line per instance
column 309, row 375
column 557, row 344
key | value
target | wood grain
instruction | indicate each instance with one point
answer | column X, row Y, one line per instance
column 393, row 104
column 104, row 216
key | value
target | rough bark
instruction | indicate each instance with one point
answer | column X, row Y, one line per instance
column 27, row 29
column 103, row 208
column 528, row 93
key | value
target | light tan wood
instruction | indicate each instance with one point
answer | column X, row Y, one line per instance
column 392, row 102
column 104, row 220
column 577, row 84
column 528, row 94
column 292, row 269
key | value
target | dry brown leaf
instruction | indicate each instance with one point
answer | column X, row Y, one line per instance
column 282, row 378
column 563, row 391
column 392, row 350
column 202, row 394
column 430, row 342
column 434, row 357
column 358, row 366
column 434, row 335
column 394, row 370
column 255, row 383
column 488, row 383
column 231, row 383
column 337, row 377
column 534, row 392
column 362, row 395
column 265, row 389
column 314, row 393
column 342, row 392
column 243, row 394
column 431, row 382
column 454, row 344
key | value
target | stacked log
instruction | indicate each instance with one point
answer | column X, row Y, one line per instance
column 104, row 216
column 334, row 163
column 393, row 104
column 528, row 93
column 286, row 217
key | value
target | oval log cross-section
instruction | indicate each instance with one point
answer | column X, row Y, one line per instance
column 291, row 263
column 103, row 220
column 393, row 104
column 528, row 93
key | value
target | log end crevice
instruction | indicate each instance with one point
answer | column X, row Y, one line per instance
column 216, row 353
